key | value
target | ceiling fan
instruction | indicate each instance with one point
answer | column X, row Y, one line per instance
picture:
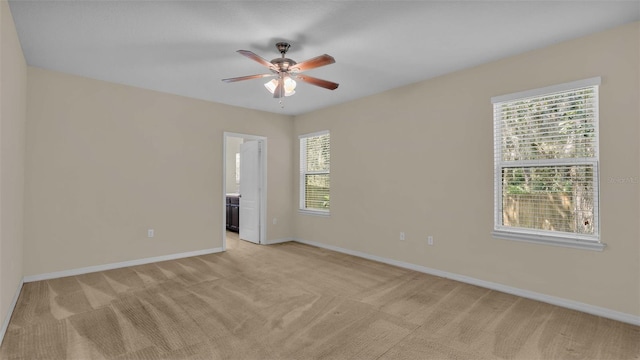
column 286, row 70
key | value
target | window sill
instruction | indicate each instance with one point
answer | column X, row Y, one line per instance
column 549, row 240
column 314, row 212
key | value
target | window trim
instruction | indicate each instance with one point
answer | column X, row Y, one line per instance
column 302, row 152
column 571, row 240
column 594, row 81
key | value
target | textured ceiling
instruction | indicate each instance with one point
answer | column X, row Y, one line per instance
column 187, row 47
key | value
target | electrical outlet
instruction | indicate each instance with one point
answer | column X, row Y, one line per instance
column 402, row 235
column 430, row 240
column 275, row 221
column 150, row 233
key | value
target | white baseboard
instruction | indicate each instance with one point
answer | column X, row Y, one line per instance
column 90, row 269
column 569, row 304
column 278, row 241
column 5, row 323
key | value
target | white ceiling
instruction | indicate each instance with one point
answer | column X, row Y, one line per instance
column 187, row 47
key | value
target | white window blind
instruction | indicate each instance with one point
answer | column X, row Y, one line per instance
column 546, row 165
column 315, row 151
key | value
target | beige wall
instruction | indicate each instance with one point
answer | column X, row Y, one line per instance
column 13, row 97
column 419, row 159
column 106, row 161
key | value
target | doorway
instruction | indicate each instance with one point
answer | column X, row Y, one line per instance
column 244, row 187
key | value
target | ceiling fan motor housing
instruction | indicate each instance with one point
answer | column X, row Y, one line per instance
column 283, row 64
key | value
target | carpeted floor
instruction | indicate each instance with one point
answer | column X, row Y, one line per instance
column 293, row 301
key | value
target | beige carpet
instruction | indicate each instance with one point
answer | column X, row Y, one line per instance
column 292, row 301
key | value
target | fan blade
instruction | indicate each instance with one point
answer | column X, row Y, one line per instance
column 251, row 55
column 318, row 82
column 279, row 91
column 248, row 77
column 317, row 61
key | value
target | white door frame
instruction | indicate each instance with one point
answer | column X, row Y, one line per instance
column 262, row 183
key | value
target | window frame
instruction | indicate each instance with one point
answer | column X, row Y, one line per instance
column 303, row 172
column 558, row 238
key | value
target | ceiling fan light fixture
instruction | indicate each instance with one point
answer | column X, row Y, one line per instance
column 289, row 86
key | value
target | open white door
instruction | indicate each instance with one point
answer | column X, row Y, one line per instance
column 250, row 191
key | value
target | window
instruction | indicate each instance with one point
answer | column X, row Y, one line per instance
column 315, row 152
column 238, row 168
column 546, row 165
